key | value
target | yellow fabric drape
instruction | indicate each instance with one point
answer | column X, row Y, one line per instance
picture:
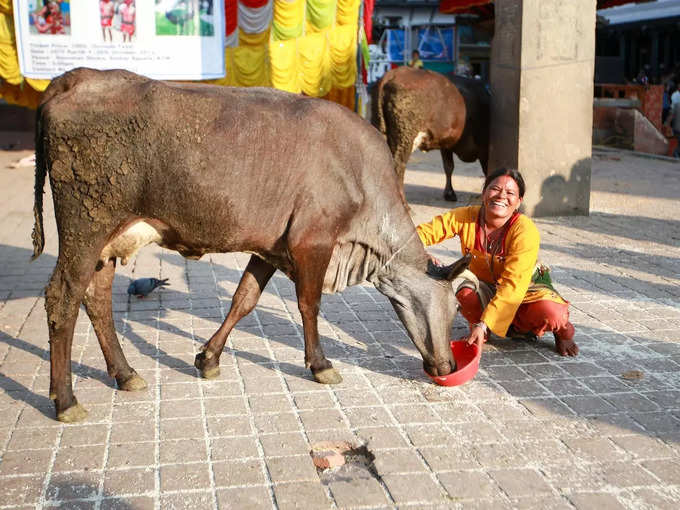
column 250, row 69
column 347, row 12
column 320, row 14
column 288, row 18
column 246, row 39
column 283, row 58
column 343, row 53
column 315, row 64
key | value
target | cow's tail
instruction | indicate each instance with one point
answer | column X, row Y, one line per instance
column 38, row 234
column 377, row 116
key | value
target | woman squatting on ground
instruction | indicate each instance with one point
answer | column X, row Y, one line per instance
column 505, row 292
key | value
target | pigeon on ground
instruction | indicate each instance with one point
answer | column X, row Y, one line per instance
column 143, row 286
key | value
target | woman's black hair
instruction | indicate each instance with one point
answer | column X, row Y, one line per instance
column 510, row 172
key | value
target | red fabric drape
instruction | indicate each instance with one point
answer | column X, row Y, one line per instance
column 231, row 15
column 253, row 4
column 454, row 6
column 368, row 19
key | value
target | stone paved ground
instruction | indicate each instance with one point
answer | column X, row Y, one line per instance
column 533, row 430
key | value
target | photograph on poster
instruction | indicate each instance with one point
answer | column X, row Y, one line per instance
column 185, row 17
column 118, row 20
column 49, row 17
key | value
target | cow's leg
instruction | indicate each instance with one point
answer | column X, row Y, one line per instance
column 447, row 161
column 401, row 150
column 484, row 162
column 254, row 279
column 311, row 257
column 97, row 303
column 63, row 295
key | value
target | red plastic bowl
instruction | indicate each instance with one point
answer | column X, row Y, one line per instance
column 467, row 364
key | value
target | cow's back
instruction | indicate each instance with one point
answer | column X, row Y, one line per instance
column 195, row 156
column 423, row 101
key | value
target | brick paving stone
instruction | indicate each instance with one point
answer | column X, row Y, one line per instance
column 125, row 503
column 383, row 437
column 601, row 501
column 296, row 468
column 589, row 405
column 23, row 462
column 667, row 470
column 595, row 449
column 552, row 502
column 657, row 423
column 301, row 495
column 520, row 482
column 413, row 488
column 652, row 498
column 129, row 481
column 358, row 491
column 32, row 438
column 182, row 477
column 227, row 448
column 397, row 461
column 131, row 455
column 321, row 419
column 644, row 447
column 462, row 485
column 187, row 500
column 239, row 472
column 66, row 487
column 288, row 443
column 24, row 490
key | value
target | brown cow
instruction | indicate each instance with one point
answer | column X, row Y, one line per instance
column 421, row 109
column 303, row 184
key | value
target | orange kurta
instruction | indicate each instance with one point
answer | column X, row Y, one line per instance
column 510, row 271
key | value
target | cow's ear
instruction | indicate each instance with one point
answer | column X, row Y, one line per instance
column 458, row 267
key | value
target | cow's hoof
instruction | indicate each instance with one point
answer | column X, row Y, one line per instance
column 72, row 414
column 133, row 383
column 450, row 196
column 210, row 372
column 328, row 376
column 205, row 362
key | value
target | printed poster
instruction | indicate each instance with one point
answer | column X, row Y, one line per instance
column 162, row 39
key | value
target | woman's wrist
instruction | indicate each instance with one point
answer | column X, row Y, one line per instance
column 482, row 325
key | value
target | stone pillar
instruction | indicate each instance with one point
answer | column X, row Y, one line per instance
column 542, row 65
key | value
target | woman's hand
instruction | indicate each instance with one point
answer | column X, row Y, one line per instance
column 435, row 260
column 478, row 334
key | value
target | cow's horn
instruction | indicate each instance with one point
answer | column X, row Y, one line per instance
column 458, row 267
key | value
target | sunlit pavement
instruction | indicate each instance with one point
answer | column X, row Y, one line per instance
column 532, row 430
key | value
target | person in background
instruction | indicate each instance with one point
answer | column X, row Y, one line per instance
column 127, row 19
column 674, row 118
column 415, row 61
column 106, row 11
column 53, row 21
column 504, row 288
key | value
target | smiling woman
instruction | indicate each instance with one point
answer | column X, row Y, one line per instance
column 505, row 291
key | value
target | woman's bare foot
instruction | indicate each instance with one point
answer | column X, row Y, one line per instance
column 564, row 340
column 566, row 347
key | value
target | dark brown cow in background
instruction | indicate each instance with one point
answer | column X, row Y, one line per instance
column 421, row 109
column 304, row 185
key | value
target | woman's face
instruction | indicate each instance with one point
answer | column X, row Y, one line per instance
column 501, row 198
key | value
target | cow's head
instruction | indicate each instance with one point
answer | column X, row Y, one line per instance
column 426, row 305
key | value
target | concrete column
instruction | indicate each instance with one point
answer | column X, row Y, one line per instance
column 542, row 65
